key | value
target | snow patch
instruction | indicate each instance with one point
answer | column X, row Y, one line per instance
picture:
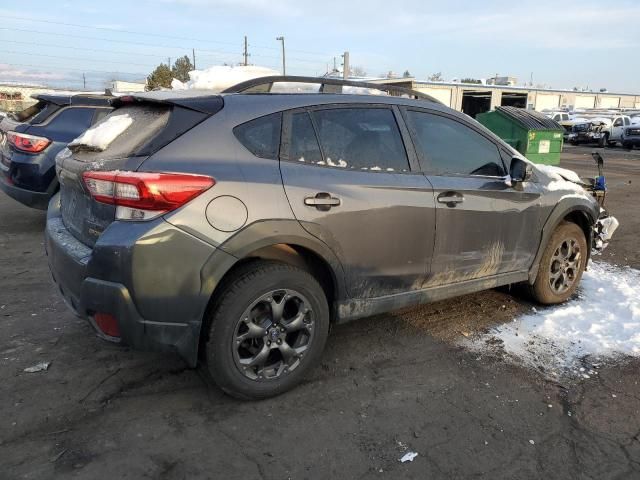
column 408, row 457
column 100, row 137
column 602, row 321
column 219, row 78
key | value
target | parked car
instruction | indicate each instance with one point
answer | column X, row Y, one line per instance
column 622, row 131
column 30, row 140
column 235, row 228
column 583, row 131
column 631, row 136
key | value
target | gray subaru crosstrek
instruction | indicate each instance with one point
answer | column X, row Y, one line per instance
column 235, row 228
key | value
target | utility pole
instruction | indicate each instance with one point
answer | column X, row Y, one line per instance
column 335, row 66
column 193, row 56
column 284, row 64
column 345, row 65
column 169, row 62
column 246, row 52
column 84, row 82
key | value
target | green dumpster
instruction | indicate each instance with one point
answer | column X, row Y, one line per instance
column 536, row 136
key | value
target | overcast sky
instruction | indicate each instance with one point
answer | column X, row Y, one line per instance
column 564, row 44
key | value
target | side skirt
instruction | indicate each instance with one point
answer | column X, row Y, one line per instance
column 352, row 309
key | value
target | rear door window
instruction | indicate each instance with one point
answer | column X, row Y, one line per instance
column 361, row 138
column 304, row 145
column 261, row 136
column 448, row 147
column 71, row 121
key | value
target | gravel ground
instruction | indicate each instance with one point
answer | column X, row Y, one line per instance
column 387, row 386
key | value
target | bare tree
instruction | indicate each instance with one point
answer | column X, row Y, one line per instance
column 357, row 71
column 436, row 77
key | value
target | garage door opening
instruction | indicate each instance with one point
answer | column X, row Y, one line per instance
column 474, row 103
column 518, row 100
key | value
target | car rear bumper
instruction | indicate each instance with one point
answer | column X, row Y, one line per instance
column 32, row 199
column 160, row 311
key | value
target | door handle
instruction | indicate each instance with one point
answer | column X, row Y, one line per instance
column 322, row 201
column 450, row 199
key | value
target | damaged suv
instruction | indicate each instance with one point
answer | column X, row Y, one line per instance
column 235, row 228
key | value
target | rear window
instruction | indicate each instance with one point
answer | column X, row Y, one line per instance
column 121, row 133
column 36, row 113
column 261, row 136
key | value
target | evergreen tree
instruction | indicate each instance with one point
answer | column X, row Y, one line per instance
column 160, row 78
column 181, row 68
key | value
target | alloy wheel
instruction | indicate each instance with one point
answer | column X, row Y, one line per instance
column 566, row 262
column 273, row 334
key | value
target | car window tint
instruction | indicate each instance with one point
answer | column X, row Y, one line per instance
column 626, row 121
column 261, row 136
column 361, row 138
column 618, row 122
column 100, row 113
column 71, row 121
column 304, row 144
column 449, row 147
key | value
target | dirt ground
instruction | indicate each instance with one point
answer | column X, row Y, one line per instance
column 387, row 385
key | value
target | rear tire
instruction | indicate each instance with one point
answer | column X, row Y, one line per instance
column 269, row 327
column 561, row 266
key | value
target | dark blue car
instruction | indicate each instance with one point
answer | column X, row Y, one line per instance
column 31, row 139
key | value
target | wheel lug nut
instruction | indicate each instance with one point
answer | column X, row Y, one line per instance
column 268, row 343
column 279, row 342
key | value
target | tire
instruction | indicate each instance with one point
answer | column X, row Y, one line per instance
column 603, row 141
column 561, row 266
column 268, row 328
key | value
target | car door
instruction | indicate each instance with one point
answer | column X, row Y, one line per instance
column 351, row 183
column 617, row 128
column 484, row 226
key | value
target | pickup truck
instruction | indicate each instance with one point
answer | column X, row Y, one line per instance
column 622, row 131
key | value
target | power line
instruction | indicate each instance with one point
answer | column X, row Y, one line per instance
column 73, row 47
column 59, row 69
column 127, row 42
column 79, row 59
column 158, row 35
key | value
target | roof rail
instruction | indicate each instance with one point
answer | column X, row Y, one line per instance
column 264, row 85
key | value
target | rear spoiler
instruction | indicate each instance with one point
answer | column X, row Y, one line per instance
column 74, row 99
column 209, row 104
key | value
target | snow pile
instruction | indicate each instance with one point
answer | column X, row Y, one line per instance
column 603, row 321
column 100, row 137
column 219, row 78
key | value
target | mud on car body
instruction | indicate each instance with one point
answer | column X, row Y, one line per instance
column 235, row 228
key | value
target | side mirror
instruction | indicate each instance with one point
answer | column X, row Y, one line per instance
column 520, row 171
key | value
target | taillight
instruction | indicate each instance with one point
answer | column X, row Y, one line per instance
column 27, row 143
column 145, row 195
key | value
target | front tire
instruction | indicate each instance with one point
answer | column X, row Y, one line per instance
column 561, row 266
column 269, row 327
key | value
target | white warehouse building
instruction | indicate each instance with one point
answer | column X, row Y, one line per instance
column 474, row 98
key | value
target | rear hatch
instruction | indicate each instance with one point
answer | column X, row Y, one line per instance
column 122, row 141
column 20, row 122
